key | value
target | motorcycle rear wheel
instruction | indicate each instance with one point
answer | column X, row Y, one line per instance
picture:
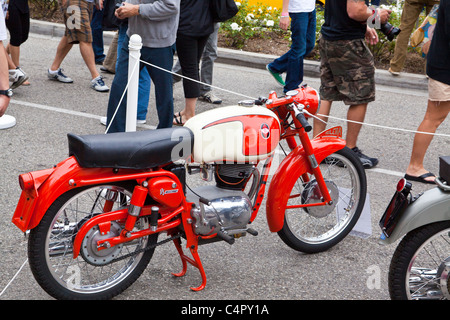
column 317, row 229
column 93, row 274
column 420, row 266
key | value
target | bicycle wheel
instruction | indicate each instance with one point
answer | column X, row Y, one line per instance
column 318, row 228
column 93, row 274
column 420, row 266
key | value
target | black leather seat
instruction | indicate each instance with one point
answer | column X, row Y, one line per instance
column 132, row 150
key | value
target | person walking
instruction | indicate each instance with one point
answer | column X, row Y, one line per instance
column 78, row 30
column 303, row 27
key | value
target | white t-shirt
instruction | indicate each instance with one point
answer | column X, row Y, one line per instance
column 301, row 5
column 3, row 34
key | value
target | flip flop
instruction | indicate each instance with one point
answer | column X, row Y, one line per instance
column 178, row 119
column 421, row 178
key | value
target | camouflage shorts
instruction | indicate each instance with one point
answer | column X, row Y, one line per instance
column 347, row 71
column 77, row 18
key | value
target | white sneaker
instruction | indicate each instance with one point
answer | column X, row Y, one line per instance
column 211, row 98
column 141, row 121
column 99, row 85
column 58, row 75
column 17, row 77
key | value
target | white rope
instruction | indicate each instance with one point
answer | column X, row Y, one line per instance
column 374, row 125
column 17, row 273
column 210, row 85
column 336, row 118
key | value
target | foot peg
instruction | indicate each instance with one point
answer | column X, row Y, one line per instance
column 225, row 237
column 253, row 232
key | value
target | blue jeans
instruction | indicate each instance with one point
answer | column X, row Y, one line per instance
column 144, row 78
column 97, row 34
column 303, row 28
column 161, row 57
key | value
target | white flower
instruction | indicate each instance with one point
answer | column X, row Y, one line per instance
column 250, row 17
column 270, row 23
column 235, row 26
column 238, row 3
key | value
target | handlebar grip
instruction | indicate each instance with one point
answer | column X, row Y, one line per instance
column 305, row 124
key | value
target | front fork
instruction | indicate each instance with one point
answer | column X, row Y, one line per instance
column 307, row 146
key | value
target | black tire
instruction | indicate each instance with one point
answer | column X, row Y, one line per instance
column 415, row 270
column 343, row 172
column 50, row 255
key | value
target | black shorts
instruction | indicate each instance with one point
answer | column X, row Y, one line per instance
column 18, row 24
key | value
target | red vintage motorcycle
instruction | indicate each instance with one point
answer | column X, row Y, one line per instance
column 95, row 218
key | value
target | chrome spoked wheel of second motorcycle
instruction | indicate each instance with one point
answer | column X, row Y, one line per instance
column 314, row 228
column 420, row 267
column 93, row 274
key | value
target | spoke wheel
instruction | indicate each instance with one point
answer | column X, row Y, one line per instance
column 420, row 266
column 318, row 228
column 93, row 274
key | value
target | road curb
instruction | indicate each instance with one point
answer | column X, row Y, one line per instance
column 254, row 60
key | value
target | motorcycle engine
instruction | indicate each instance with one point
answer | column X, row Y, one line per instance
column 228, row 211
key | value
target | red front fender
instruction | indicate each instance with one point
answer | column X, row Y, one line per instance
column 41, row 188
column 289, row 171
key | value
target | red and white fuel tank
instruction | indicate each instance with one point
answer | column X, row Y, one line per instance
column 234, row 134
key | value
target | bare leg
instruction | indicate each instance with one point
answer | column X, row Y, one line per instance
column 88, row 56
column 355, row 113
column 15, row 53
column 189, row 110
column 4, row 83
column 319, row 126
column 61, row 52
column 434, row 116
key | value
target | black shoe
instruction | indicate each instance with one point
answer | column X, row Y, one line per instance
column 366, row 161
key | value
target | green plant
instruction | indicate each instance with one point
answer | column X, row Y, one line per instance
column 251, row 22
column 43, row 8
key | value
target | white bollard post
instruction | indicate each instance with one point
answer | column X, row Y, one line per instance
column 134, row 47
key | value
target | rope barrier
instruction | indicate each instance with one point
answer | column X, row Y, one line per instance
column 314, row 116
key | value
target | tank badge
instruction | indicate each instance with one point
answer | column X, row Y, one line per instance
column 265, row 131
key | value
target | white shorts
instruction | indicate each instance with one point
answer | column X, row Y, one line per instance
column 438, row 91
column 3, row 34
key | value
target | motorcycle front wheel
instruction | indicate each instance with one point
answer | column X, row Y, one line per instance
column 420, row 266
column 93, row 274
column 317, row 228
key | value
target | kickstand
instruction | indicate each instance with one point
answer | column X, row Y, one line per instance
column 195, row 262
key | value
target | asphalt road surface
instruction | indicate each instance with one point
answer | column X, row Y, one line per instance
column 254, row 268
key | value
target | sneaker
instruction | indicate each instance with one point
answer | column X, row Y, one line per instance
column 141, row 121
column 394, row 73
column 17, row 77
column 58, row 75
column 367, row 162
column 211, row 98
column 276, row 76
column 99, row 85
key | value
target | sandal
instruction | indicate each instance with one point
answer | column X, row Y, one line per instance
column 421, row 178
column 178, row 119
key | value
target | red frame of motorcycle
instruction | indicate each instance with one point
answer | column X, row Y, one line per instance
column 41, row 188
